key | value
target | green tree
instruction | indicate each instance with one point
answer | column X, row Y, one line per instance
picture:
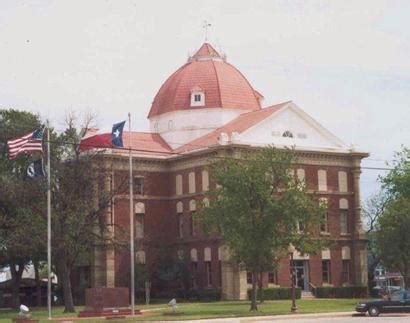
column 171, row 270
column 258, row 209
column 79, row 204
column 392, row 239
column 22, row 201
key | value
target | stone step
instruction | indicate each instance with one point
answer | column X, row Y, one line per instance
column 307, row 295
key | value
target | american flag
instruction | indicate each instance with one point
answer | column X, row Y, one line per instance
column 30, row 142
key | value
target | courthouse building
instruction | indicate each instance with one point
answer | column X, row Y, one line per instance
column 207, row 108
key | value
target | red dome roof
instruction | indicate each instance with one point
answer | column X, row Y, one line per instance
column 224, row 86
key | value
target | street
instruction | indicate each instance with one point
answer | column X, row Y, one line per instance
column 314, row 318
column 382, row 318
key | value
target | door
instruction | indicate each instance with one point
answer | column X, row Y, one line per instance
column 301, row 269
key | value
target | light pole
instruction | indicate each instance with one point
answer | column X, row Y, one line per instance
column 291, row 250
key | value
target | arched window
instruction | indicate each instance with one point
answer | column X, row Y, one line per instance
column 194, row 255
column 287, row 134
column 205, row 202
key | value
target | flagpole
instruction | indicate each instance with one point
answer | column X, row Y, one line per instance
column 48, row 224
column 132, row 256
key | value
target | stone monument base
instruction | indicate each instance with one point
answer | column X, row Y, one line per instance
column 24, row 320
column 108, row 302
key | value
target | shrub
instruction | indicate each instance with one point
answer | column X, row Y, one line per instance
column 341, row 292
column 208, row 294
column 277, row 293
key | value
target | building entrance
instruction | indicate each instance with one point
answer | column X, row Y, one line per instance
column 301, row 268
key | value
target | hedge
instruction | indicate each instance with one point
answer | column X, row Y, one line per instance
column 341, row 292
column 208, row 294
column 277, row 293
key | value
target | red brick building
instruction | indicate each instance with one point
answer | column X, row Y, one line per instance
column 207, row 108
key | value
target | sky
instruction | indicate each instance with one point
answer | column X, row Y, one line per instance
column 344, row 62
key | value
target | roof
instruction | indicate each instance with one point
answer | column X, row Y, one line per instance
column 239, row 125
column 145, row 142
column 206, row 50
column 224, row 86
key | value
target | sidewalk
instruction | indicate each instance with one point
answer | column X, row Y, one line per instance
column 270, row 318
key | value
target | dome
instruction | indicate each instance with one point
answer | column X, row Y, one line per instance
column 221, row 83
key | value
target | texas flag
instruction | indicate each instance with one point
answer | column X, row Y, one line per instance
column 92, row 139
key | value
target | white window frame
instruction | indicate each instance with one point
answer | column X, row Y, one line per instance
column 199, row 103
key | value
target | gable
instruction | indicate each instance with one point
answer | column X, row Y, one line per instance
column 299, row 128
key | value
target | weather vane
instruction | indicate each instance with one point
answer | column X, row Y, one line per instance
column 206, row 25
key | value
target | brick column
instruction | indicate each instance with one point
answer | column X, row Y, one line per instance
column 359, row 254
column 234, row 286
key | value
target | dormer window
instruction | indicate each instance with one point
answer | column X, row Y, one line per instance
column 197, row 97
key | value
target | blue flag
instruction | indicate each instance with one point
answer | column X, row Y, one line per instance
column 36, row 169
column 116, row 134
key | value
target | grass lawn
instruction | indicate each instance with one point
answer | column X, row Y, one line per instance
column 212, row 310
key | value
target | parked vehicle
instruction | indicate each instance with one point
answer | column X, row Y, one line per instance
column 397, row 302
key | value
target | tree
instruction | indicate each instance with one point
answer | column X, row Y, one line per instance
column 391, row 237
column 22, row 216
column 79, row 204
column 259, row 208
column 171, row 269
column 373, row 208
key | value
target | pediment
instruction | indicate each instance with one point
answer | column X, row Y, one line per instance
column 291, row 126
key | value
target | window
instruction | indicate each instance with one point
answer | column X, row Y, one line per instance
column 324, row 224
column 194, row 255
column 197, row 97
column 194, row 274
column 139, row 220
column 287, row 134
column 192, row 209
column 249, row 277
column 139, row 226
column 208, row 267
column 193, row 224
column 180, row 225
column 343, row 216
column 322, row 180
column 178, row 184
column 326, row 271
column 300, row 172
column 205, row 180
column 138, row 185
column 345, row 271
column 140, row 257
column 342, row 178
column 272, row 277
column 325, row 217
column 191, row 183
column 343, row 222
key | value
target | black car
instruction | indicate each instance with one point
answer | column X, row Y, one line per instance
column 397, row 302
